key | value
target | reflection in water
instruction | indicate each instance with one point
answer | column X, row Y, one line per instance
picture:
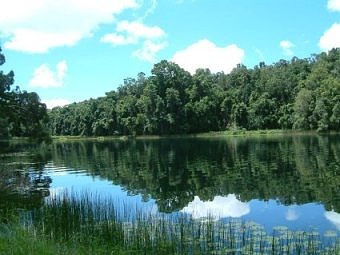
column 23, row 180
column 334, row 218
column 291, row 170
column 219, row 207
column 275, row 180
column 292, row 214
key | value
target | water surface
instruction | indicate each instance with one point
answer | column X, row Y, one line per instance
column 284, row 180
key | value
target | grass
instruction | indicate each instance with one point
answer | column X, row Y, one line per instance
column 260, row 133
column 244, row 132
column 219, row 134
column 90, row 225
column 22, row 241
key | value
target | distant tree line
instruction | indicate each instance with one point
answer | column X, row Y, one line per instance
column 297, row 94
column 21, row 113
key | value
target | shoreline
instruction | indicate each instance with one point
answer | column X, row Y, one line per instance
column 211, row 134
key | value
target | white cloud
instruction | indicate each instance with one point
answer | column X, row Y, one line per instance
column 220, row 207
column 135, row 32
column 333, row 5
column 149, row 50
column 205, row 54
column 51, row 103
column 44, row 77
column 132, row 33
column 38, row 25
column 287, row 47
column 115, row 39
column 334, row 218
column 139, row 30
column 331, row 38
column 32, row 41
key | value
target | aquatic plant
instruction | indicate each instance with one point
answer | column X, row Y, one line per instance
column 93, row 224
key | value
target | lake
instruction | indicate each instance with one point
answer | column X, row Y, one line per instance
column 290, row 180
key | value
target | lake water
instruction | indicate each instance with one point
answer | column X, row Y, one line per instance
column 284, row 180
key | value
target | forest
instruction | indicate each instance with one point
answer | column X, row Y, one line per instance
column 21, row 113
column 301, row 94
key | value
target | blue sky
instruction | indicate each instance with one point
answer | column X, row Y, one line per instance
column 71, row 50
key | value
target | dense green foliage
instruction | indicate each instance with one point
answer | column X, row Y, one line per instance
column 297, row 94
column 21, row 112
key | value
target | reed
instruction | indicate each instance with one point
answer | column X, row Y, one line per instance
column 87, row 224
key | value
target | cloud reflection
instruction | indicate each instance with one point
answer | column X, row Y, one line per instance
column 292, row 214
column 220, row 207
column 57, row 191
column 334, row 218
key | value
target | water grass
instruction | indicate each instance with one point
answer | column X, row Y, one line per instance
column 89, row 224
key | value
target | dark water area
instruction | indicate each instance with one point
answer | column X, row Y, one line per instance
column 291, row 180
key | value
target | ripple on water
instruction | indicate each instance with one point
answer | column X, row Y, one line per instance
column 56, row 170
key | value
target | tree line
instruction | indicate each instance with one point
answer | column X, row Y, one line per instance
column 298, row 94
column 21, row 112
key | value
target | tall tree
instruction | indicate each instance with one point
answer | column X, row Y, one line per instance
column 6, row 80
column 303, row 108
column 21, row 113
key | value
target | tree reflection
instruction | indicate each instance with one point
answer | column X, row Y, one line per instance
column 23, row 182
column 291, row 169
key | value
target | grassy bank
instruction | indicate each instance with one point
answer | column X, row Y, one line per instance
column 217, row 134
column 89, row 225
